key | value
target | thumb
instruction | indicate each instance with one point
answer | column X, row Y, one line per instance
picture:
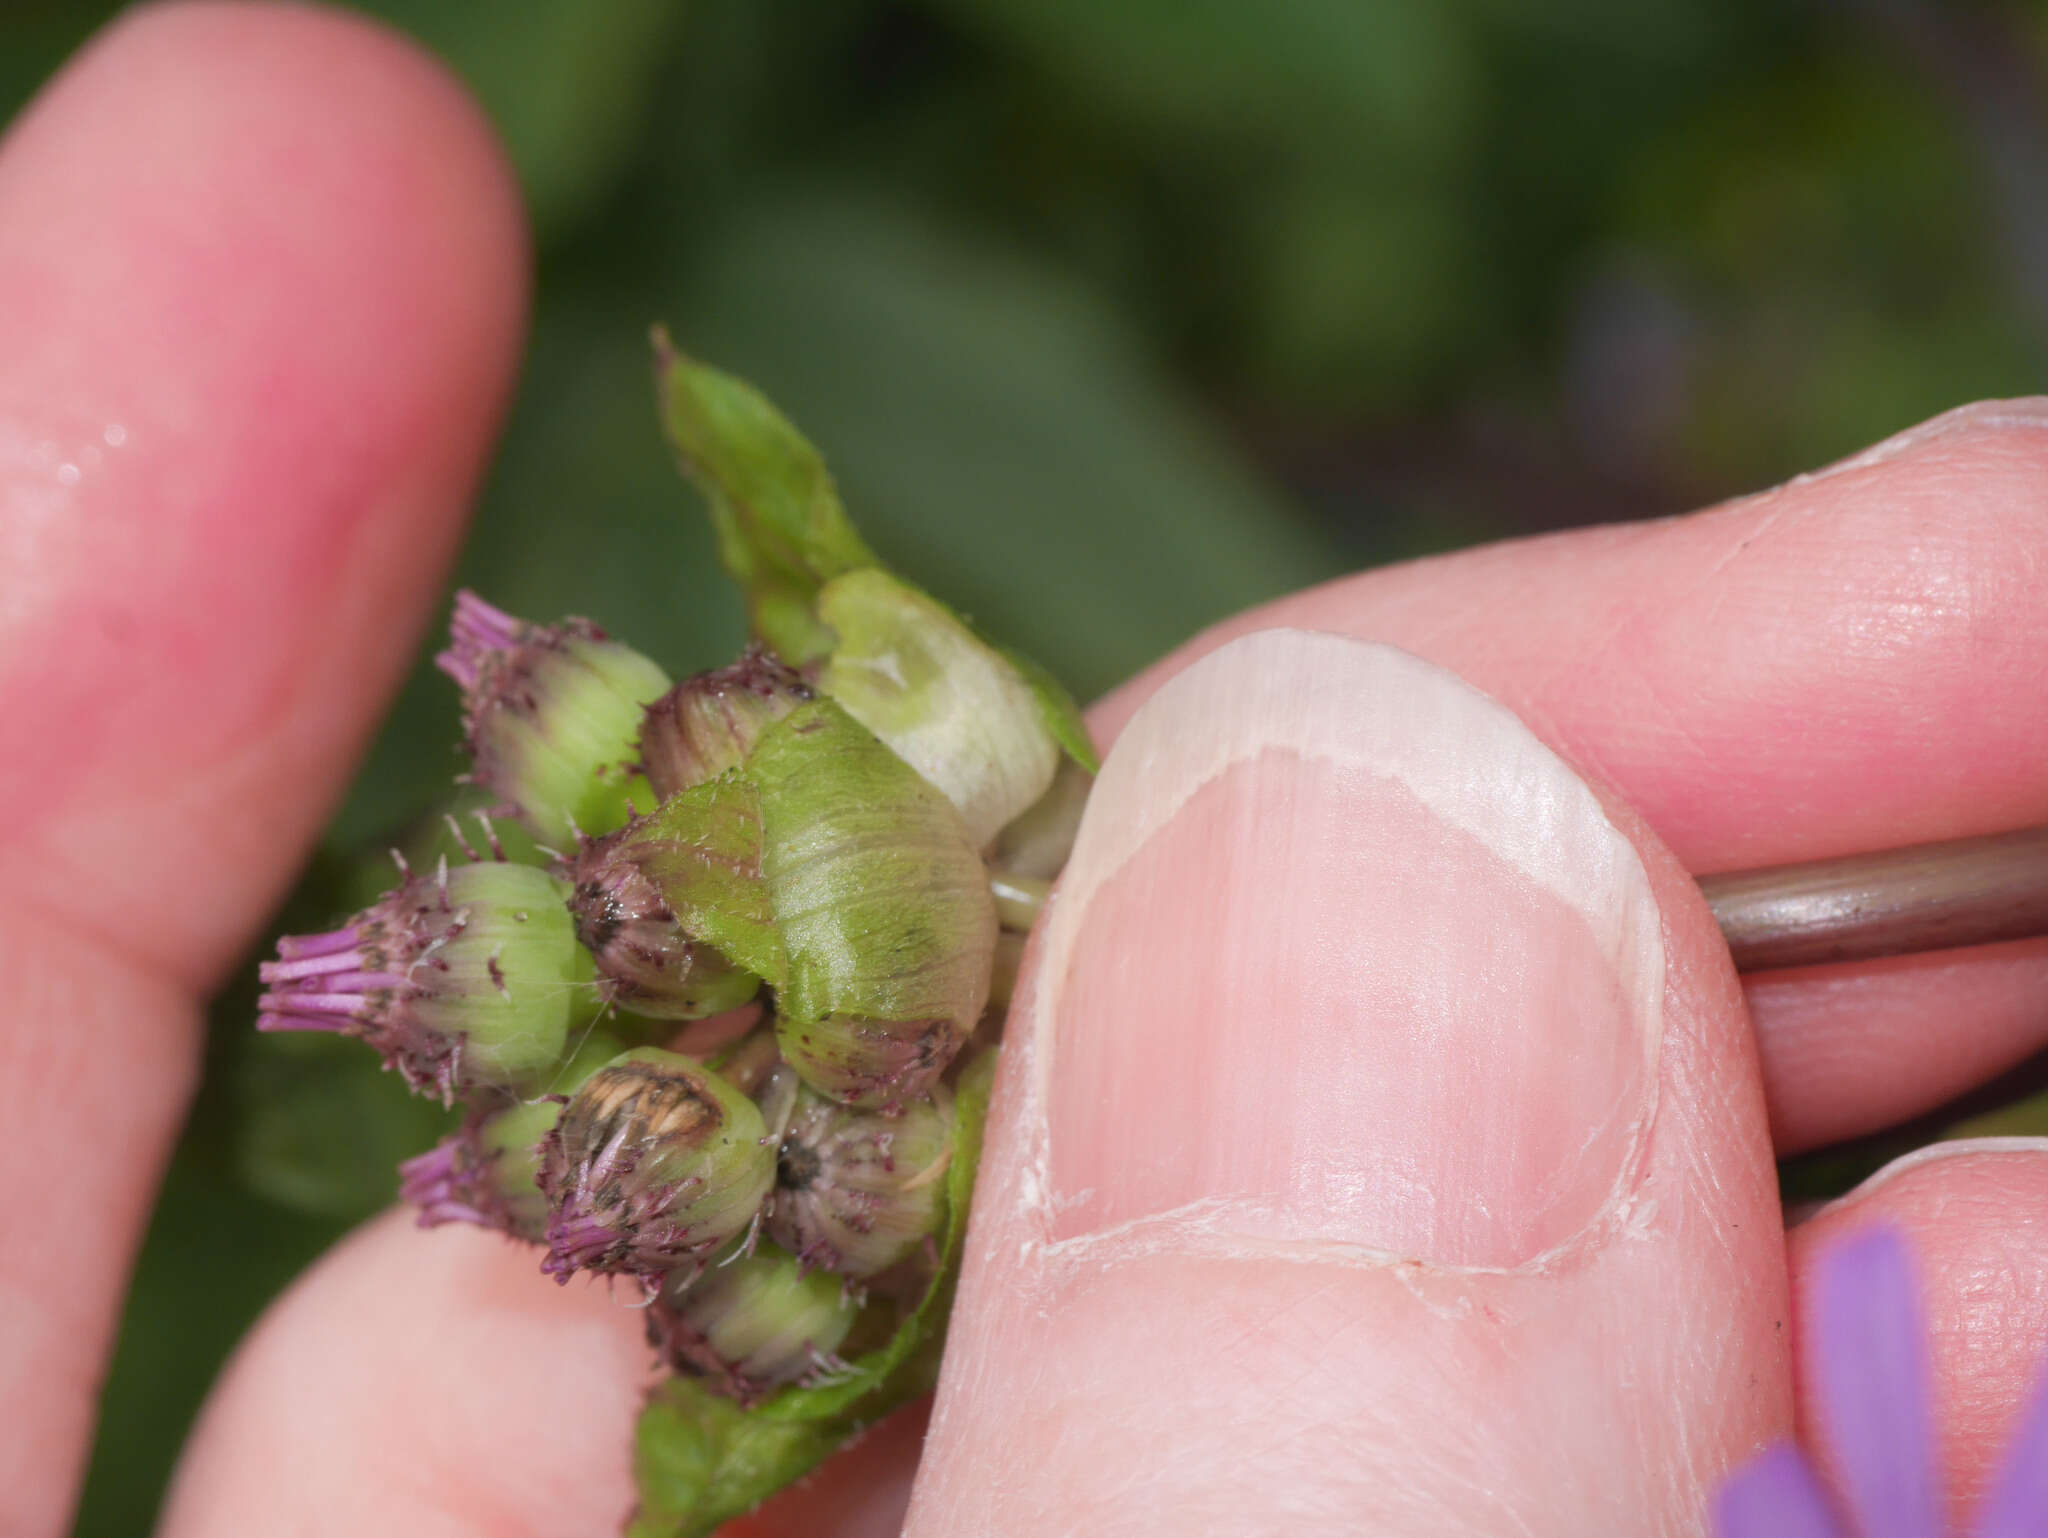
column 1378, row 1147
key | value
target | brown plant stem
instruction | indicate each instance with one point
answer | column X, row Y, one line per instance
column 1925, row 897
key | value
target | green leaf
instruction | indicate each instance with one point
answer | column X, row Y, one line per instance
column 782, row 532
column 701, row 1460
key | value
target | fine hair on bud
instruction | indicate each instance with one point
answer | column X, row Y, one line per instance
column 748, row 1322
column 468, row 980
column 653, row 1163
column 708, row 723
column 855, row 1191
column 551, row 718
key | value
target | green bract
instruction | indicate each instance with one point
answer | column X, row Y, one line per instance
column 950, row 706
column 881, row 905
column 751, row 1322
column 781, row 530
column 784, row 537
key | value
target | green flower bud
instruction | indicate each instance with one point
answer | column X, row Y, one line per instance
column 834, row 872
column 654, row 1162
column 467, row 980
column 485, row 1173
column 709, row 723
column 552, row 714
column 751, row 1322
column 650, row 965
column 947, row 703
column 855, row 1190
column 881, row 906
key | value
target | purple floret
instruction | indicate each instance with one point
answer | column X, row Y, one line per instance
column 476, row 633
column 1870, row 1378
column 436, row 1182
column 366, row 978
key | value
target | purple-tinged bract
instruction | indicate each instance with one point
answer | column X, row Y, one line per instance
column 708, row 723
column 855, row 1191
column 649, row 964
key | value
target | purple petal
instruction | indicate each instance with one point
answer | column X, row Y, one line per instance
column 342, row 939
column 2018, row 1504
column 1775, row 1495
column 342, row 960
column 1868, row 1373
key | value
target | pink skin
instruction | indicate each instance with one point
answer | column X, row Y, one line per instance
column 279, row 253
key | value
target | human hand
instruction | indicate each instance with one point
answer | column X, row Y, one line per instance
column 278, row 253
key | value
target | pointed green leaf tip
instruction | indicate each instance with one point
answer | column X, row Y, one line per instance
column 702, row 1460
column 782, row 532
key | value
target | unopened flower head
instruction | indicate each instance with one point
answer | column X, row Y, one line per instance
column 750, row 1322
column 468, row 979
column 486, row 1171
column 709, row 723
column 876, row 1064
column 855, row 1191
column 650, row 964
column 552, row 716
column 654, row 1162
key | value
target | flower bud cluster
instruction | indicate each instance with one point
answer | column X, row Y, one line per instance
column 772, row 876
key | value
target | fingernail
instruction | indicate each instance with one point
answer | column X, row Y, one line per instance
column 1344, row 955
column 2021, row 412
column 1931, row 1153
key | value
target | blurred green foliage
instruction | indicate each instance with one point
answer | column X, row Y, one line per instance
column 1111, row 319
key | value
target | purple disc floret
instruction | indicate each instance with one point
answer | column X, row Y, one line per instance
column 477, row 632
column 466, row 980
column 436, row 1183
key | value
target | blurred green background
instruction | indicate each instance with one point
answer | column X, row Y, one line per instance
column 1114, row 316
